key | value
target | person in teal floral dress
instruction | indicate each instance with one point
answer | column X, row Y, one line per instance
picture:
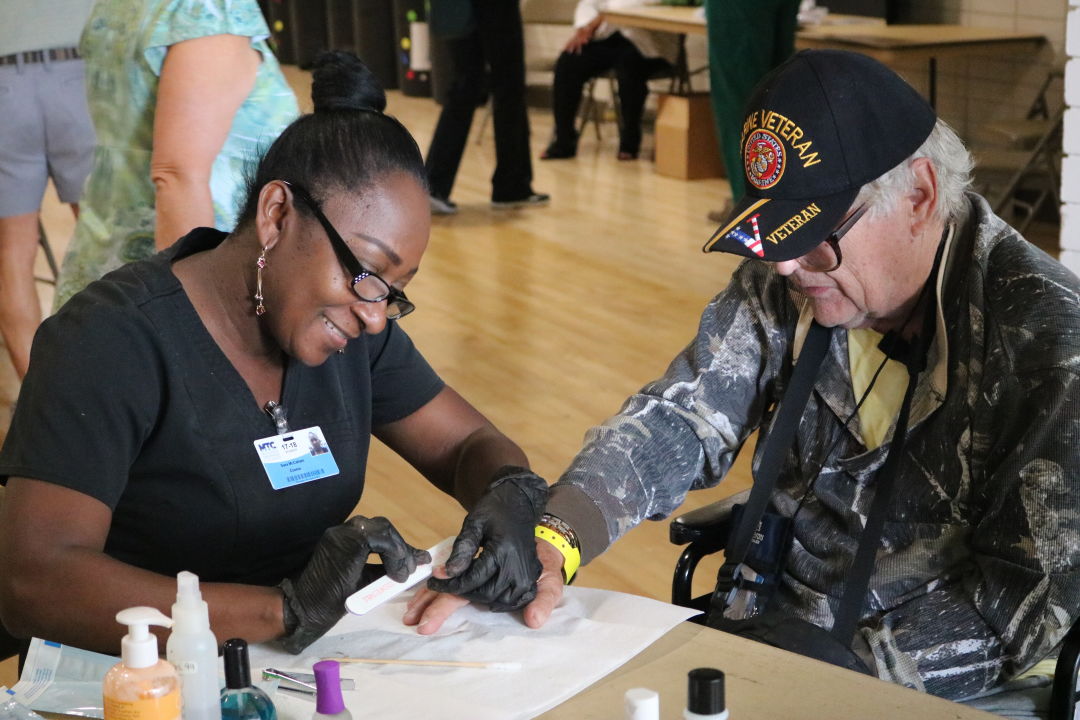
column 183, row 94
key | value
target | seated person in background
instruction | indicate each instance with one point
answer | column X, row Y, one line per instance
column 595, row 48
column 132, row 453
column 859, row 217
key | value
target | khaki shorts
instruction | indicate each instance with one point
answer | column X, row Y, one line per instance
column 45, row 132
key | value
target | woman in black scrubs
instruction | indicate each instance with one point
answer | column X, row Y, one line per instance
column 165, row 420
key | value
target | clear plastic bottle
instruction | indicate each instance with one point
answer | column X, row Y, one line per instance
column 192, row 649
column 240, row 700
column 328, row 702
column 141, row 686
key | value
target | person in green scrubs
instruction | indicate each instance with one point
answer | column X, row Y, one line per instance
column 747, row 39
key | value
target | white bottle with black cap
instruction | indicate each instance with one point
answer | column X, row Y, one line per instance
column 705, row 695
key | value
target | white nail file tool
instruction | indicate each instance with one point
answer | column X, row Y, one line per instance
column 375, row 594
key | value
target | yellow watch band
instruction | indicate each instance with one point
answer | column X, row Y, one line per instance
column 571, row 554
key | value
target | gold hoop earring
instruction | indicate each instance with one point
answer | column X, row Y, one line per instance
column 260, row 309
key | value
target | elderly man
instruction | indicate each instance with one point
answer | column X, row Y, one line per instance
column 857, row 217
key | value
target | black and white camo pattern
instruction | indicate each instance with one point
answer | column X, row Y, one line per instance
column 979, row 574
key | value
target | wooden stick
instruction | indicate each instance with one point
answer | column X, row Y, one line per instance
column 430, row 663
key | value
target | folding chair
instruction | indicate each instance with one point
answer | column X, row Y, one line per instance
column 1025, row 155
column 592, row 110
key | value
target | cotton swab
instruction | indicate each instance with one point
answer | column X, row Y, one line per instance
column 432, row 663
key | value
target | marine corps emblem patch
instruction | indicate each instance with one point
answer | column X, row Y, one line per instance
column 764, row 158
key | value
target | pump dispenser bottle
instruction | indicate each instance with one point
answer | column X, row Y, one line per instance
column 141, row 686
column 240, row 700
column 328, row 702
column 192, row 649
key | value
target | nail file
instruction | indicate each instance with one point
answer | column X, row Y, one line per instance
column 375, row 594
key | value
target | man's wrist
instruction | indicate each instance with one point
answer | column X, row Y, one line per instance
column 556, row 532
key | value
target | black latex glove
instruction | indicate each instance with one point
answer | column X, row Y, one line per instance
column 315, row 601
column 503, row 525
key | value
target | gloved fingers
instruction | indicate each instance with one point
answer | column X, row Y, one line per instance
column 466, row 544
column 349, row 538
column 514, row 598
column 336, row 566
column 420, row 557
column 518, row 587
column 400, row 565
column 482, row 571
column 398, row 557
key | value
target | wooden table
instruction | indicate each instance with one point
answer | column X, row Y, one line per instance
column 761, row 683
column 892, row 44
column 889, row 44
column 665, row 18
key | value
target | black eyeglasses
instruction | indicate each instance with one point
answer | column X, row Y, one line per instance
column 366, row 285
column 826, row 257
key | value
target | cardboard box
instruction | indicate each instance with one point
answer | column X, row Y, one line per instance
column 686, row 144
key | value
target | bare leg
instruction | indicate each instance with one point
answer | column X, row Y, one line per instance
column 20, row 310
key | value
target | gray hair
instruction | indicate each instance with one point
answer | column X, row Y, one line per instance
column 953, row 164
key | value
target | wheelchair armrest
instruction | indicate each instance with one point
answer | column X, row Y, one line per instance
column 711, row 523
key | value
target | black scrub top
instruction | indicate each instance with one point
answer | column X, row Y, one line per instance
column 129, row 400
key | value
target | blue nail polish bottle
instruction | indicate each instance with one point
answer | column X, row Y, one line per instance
column 240, row 700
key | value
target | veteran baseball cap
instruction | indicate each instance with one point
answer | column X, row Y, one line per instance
column 817, row 128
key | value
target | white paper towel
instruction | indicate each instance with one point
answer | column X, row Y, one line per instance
column 590, row 634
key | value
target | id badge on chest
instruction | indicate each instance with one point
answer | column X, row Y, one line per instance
column 296, row 457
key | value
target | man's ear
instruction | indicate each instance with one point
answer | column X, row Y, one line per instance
column 275, row 205
column 924, row 195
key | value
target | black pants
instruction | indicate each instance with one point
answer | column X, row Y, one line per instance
column 632, row 70
column 494, row 52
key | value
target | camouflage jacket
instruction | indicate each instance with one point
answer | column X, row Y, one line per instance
column 978, row 576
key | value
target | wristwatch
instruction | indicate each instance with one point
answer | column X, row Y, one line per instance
column 563, row 537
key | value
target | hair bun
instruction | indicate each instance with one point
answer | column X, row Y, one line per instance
column 341, row 81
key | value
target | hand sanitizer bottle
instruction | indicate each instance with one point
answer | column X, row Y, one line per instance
column 240, row 700
column 141, row 686
column 328, row 702
column 192, row 649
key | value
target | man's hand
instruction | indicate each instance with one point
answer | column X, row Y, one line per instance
column 501, row 527
column 582, row 36
column 316, row 600
column 428, row 610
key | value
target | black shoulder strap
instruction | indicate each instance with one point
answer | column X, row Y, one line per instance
column 862, row 567
column 914, row 356
column 779, row 440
